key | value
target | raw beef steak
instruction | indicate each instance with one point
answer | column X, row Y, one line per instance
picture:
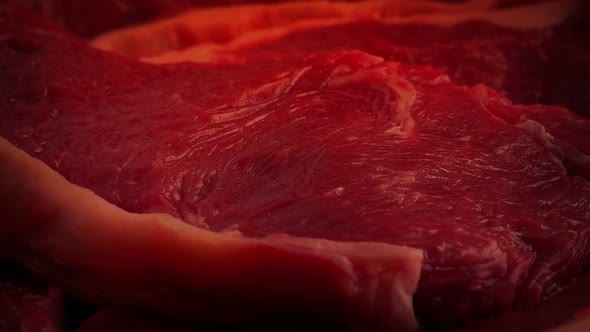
column 343, row 146
column 155, row 262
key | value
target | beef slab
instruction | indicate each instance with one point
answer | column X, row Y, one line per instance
column 343, row 147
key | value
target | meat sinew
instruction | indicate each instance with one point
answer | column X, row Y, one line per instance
column 332, row 189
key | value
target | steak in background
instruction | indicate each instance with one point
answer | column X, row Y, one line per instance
column 548, row 65
column 87, row 18
column 206, row 25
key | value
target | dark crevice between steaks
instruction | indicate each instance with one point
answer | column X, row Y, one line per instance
column 28, row 303
column 89, row 18
column 568, row 305
column 575, row 162
column 76, row 312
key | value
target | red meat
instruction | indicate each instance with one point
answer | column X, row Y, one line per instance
column 342, row 146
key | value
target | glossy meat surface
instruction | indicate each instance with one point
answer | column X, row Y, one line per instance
column 343, row 146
